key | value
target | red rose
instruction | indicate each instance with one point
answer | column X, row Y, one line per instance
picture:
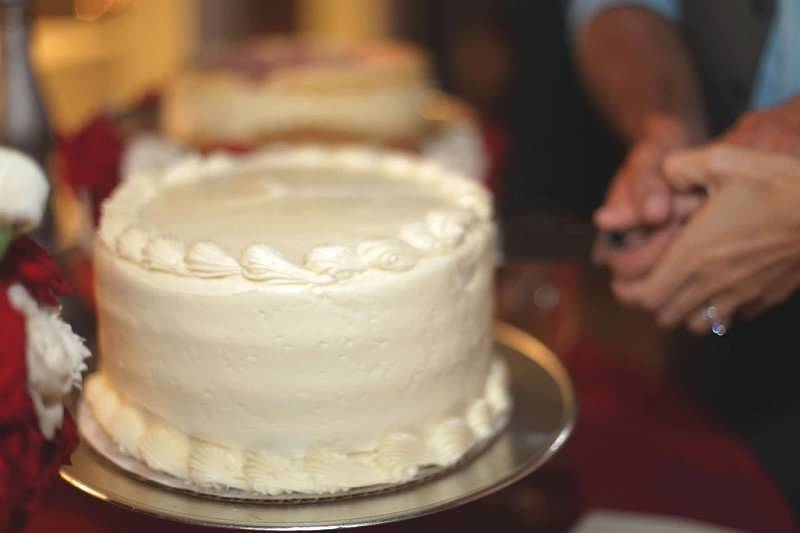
column 90, row 160
column 27, row 263
column 28, row 462
column 16, row 404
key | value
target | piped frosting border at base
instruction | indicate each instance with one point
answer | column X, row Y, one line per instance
column 397, row 459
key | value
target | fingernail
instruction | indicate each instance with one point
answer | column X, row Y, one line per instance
column 604, row 216
column 656, row 207
column 613, row 217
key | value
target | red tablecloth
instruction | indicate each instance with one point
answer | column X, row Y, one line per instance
column 639, row 445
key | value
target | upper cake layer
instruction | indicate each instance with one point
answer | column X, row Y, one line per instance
column 278, row 59
column 281, row 89
column 303, row 216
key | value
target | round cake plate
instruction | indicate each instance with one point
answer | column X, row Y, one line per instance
column 542, row 420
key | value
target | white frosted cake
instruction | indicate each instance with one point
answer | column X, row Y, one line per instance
column 293, row 90
column 310, row 320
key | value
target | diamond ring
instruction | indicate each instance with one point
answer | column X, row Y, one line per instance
column 719, row 326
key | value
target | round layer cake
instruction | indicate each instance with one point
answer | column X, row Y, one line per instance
column 293, row 90
column 309, row 320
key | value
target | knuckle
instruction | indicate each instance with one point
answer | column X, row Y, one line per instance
column 666, row 321
column 698, row 327
column 717, row 157
column 625, row 294
column 751, row 119
column 649, row 300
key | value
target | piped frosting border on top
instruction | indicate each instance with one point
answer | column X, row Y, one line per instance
column 442, row 230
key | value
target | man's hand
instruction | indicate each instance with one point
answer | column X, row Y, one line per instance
column 640, row 197
column 776, row 129
column 640, row 182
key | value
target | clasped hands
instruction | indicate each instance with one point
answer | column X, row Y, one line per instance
column 724, row 219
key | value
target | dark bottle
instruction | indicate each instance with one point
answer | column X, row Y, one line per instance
column 24, row 123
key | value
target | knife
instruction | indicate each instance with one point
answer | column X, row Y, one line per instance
column 552, row 236
column 543, row 236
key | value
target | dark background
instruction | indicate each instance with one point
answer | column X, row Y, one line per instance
column 512, row 60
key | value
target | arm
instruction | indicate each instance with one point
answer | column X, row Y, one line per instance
column 639, row 74
column 637, row 70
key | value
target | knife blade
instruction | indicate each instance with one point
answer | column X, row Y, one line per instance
column 544, row 237
column 533, row 237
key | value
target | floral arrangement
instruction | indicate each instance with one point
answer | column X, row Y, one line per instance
column 41, row 359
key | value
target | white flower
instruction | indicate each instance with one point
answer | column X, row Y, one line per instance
column 23, row 190
column 55, row 358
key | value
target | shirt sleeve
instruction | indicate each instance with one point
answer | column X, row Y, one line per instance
column 580, row 12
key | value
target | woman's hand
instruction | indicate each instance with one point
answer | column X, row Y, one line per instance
column 740, row 251
column 775, row 129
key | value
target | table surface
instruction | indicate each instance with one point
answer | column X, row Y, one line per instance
column 641, row 443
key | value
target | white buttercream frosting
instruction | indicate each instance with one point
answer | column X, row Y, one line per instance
column 207, row 260
column 127, row 424
column 210, row 464
column 163, row 254
column 307, row 320
column 388, row 254
column 262, row 263
column 395, row 459
column 338, row 262
column 202, row 212
column 131, row 244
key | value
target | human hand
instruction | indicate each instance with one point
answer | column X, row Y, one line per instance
column 741, row 250
column 775, row 129
column 636, row 196
column 639, row 197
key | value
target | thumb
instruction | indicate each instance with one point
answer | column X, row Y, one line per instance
column 652, row 198
column 689, row 169
column 709, row 166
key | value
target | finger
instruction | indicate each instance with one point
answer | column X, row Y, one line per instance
column 684, row 204
column 784, row 285
column 652, row 198
column 750, row 290
column 649, row 193
column 637, row 260
column 671, row 271
column 728, row 162
column 616, row 213
column 639, row 195
column 615, row 217
column 692, row 294
column 704, row 286
column 687, row 170
column 725, row 306
column 707, row 167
